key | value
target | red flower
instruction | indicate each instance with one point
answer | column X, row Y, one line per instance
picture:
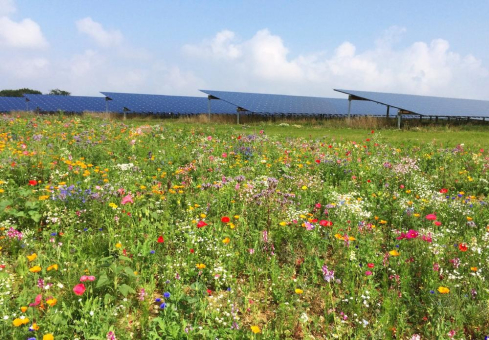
column 201, row 224
column 318, row 161
column 431, row 217
column 443, row 191
column 370, row 265
column 160, row 239
column 225, row 219
column 192, row 250
column 437, row 223
column 462, row 247
column 33, row 182
column 325, row 223
column 209, row 291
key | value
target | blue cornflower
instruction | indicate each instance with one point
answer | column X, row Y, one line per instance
column 54, row 234
column 166, row 295
column 157, row 300
column 432, row 291
column 152, row 252
column 163, row 305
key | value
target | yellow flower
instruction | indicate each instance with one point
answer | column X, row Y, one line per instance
column 469, row 218
column 394, row 253
column 52, row 302
column 18, row 322
column 200, row 266
column 283, row 224
column 113, row 205
column 443, row 290
column 231, row 225
column 32, row 257
column 48, row 336
column 299, row 291
column 35, row 326
column 43, row 197
column 35, row 269
column 304, row 187
column 255, row 329
column 203, row 215
column 474, row 269
column 118, row 245
column 23, row 309
column 236, row 216
column 339, row 236
column 52, row 267
column 226, row 240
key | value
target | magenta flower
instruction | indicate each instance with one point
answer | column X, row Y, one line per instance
column 79, row 289
column 368, row 273
column 412, row 234
column 431, row 217
column 127, row 199
column 37, row 301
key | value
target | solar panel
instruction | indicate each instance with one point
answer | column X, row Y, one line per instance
column 8, row 104
column 78, row 104
column 276, row 104
column 162, row 104
column 426, row 105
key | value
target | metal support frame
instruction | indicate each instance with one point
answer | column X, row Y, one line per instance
column 209, row 106
column 349, row 106
column 388, row 109
column 399, row 119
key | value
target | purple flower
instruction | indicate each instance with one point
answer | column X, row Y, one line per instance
column 166, row 295
column 328, row 274
column 163, row 305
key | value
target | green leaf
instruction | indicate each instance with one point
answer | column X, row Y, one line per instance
column 125, row 289
column 125, row 258
column 129, row 272
column 36, row 217
column 102, row 281
column 4, row 204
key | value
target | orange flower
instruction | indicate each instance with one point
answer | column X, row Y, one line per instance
column 394, row 253
column 474, row 269
column 32, row 257
column 52, row 302
column 52, row 267
column 226, row 240
column 35, row 269
column 23, row 309
column 443, row 290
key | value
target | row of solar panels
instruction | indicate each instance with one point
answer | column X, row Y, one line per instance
column 362, row 103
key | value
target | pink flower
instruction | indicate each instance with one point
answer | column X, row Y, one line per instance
column 368, row 273
column 437, row 223
column 79, row 289
column 224, row 155
column 431, row 217
column 412, row 233
column 37, row 301
column 127, row 199
column 87, row 278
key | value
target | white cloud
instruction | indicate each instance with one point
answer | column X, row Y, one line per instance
column 263, row 64
column 95, row 30
column 24, row 34
column 6, row 7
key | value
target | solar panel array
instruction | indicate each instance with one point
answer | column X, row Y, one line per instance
column 76, row 104
column 271, row 104
column 9, row 104
column 161, row 104
column 427, row 105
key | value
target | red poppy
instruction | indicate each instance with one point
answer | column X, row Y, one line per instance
column 225, row 219
column 318, row 161
column 437, row 223
column 32, row 182
column 209, row 291
column 431, row 217
column 370, row 265
column 201, row 224
column 192, row 250
column 462, row 247
column 325, row 223
column 160, row 239
column 443, row 191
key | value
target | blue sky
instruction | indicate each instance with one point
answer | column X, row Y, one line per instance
column 287, row 47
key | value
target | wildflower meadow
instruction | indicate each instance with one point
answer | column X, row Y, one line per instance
column 124, row 230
